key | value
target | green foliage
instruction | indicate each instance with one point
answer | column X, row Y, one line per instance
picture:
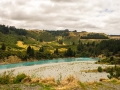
column 46, row 36
column 59, row 79
column 6, row 77
column 94, row 36
column 3, row 47
column 100, row 69
column 113, row 71
column 9, row 78
column 47, row 87
column 41, row 49
column 42, row 55
column 69, row 53
column 82, row 85
column 18, row 31
column 59, row 32
column 4, row 29
column 19, row 78
column 80, row 46
column 60, row 41
column 30, row 51
column 56, row 51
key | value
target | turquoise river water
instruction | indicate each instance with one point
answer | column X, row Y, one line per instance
column 7, row 66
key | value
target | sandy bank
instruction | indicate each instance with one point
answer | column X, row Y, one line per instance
column 63, row 69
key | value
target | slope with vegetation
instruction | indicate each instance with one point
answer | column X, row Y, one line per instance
column 55, row 44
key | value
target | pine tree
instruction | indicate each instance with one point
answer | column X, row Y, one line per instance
column 3, row 47
column 28, row 50
column 41, row 49
column 56, row 51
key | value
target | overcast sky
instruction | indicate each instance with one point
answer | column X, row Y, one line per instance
column 80, row 15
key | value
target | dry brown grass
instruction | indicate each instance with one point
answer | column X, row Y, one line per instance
column 68, row 83
column 72, row 34
column 88, row 71
column 12, row 59
column 49, row 81
column 65, row 84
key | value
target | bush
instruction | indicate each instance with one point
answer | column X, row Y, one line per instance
column 6, row 77
column 19, row 78
column 100, row 69
column 114, row 72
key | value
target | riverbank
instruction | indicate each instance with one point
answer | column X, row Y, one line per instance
column 77, row 69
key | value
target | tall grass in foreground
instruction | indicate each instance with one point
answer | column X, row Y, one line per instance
column 68, row 83
column 9, row 78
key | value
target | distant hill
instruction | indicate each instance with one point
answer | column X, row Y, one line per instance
column 10, row 35
column 27, row 45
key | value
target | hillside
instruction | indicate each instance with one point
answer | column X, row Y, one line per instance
column 47, row 44
column 11, row 36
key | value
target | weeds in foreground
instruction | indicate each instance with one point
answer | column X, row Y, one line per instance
column 6, row 77
column 19, row 78
column 9, row 78
column 59, row 79
column 82, row 85
column 68, row 83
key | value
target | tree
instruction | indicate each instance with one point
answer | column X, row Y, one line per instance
column 3, row 47
column 56, row 51
column 100, row 69
column 73, row 43
column 69, row 52
column 80, row 46
column 41, row 49
column 111, row 58
column 30, row 51
column 41, row 40
column 60, row 41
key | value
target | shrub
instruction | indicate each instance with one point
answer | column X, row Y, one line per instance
column 114, row 72
column 6, row 77
column 19, row 78
column 100, row 69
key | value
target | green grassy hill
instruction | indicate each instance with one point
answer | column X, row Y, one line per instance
column 59, row 43
column 11, row 35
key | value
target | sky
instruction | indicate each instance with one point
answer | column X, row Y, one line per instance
column 81, row 15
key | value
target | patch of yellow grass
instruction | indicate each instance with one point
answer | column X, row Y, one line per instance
column 35, row 48
column 62, row 49
column 51, row 51
column 21, row 44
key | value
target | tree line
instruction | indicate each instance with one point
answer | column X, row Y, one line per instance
column 9, row 29
column 107, row 48
column 94, row 36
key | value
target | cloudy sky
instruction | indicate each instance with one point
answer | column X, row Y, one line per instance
column 80, row 15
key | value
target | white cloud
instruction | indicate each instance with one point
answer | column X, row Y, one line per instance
column 90, row 15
